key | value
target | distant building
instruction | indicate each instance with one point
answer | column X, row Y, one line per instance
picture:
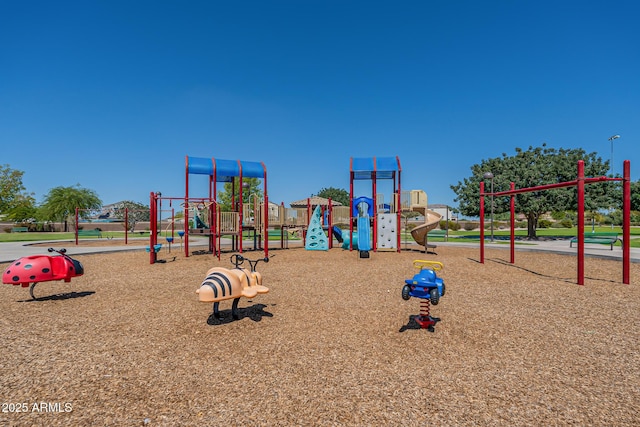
column 445, row 211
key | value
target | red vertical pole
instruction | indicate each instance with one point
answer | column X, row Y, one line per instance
column 214, row 235
column 513, row 223
column 350, row 204
column 580, row 182
column 266, row 213
column 153, row 219
column 186, row 208
column 626, row 221
column 330, row 224
column 481, row 222
column 398, row 208
column 126, row 225
column 374, row 196
column 240, row 209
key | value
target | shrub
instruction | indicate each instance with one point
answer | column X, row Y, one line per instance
column 566, row 223
column 470, row 225
column 544, row 223
column 454, row 226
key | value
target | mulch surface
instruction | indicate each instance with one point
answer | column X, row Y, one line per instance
column 332, row 343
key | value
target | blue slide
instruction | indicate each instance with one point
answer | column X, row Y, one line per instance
column 337, row 233
column 199, row 223
column 364, row 238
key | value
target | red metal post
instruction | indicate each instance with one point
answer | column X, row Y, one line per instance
column 626, row 221
column 213, row 226
column 126, row 226
column 240, row 208
column 374, row 197
column 330, row 224
column 266, row 213
column 350, row 204
column 153, row 219
column 481, row 222
column 580, row 182
column 186, row 208
column 398, row 207
column 513, row 223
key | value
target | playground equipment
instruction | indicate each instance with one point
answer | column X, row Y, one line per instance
column 222, row 284
column 427, row 286
column 579, row 183
column 316, row 238
column 42, row 268
column 378, row 212
column 231, row 224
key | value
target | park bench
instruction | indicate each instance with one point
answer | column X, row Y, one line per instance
column 19, row 229
column 437, row 233
column 90, row 233
column 603, row 238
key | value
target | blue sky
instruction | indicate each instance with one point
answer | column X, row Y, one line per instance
column 112, row 95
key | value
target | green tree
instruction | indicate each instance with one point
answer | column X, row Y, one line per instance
column 61, row 202
column 12, row 191
column 635, row 196
column 24, row 209
column 251, row 187
column 335, row 194
column 134, row 213
column 530, row 168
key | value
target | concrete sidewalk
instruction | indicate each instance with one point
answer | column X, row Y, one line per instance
column 11, row 251
column 554, row 246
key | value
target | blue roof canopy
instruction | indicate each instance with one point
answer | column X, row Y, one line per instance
column 225, row 170
column 384, row 167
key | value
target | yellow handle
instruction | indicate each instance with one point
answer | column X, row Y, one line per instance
column 431, row 265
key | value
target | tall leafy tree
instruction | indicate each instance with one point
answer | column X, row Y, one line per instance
column 530, row 168
column 24, row 209
column 635, row 196
column 12, row 190
column 60, row 203
column 335, row 194
column 133, row 211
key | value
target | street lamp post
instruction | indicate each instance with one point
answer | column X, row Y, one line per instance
column 611, row 139
column 489, row 175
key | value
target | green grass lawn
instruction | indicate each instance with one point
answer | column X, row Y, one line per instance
column 275, row 235
column 541, row 232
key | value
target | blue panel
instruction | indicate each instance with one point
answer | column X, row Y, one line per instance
column 226, row 170
column 363, row 168
column 387, row 164
column 200, row 165
column 360, row 164
column 252, row 170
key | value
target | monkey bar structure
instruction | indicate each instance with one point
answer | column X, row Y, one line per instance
column 579, row 183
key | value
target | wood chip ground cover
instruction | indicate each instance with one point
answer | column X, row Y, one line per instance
column 332, row 343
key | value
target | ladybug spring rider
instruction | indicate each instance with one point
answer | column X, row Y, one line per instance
column 42, row 268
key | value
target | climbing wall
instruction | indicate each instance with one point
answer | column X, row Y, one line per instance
column 387, row 233
column 316, row 238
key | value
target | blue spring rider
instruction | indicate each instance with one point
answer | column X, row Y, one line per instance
column 425, row 285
